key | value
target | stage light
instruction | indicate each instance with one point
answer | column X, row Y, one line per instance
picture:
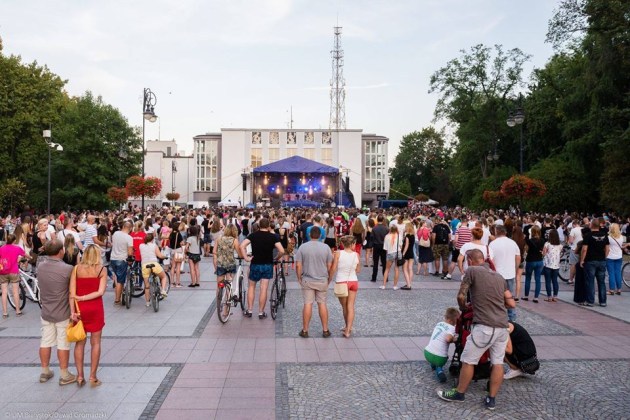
column 266, row 180
column 303, row 180
column 329, row 191
column 278, row 189
column 259, row 190
column 323, row 180
column 310, row 190
column 285, row 180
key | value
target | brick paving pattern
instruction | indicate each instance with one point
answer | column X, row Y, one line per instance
column 182, row 363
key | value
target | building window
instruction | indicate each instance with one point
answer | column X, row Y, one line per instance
column 309, row 154
column 291, row 138
column 207, row 166
column 256, row 158
column 309, row 137
column 274, row 155
column 326, row 138
column 375, row 169
column 274, row 137
column 291, row 151
column 327, row 157
column 256, row 137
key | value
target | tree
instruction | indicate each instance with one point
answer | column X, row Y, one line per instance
column 421, row 161
column 12, row 195
column 475, row 92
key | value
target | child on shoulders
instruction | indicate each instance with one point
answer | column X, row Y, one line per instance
column 436, row 352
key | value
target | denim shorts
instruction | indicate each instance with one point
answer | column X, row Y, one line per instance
column 260, row 271
column 222, row 271
column 119, row 268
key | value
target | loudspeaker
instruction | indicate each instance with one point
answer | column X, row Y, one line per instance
column 244, row 176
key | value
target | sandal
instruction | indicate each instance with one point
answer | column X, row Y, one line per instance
column 94, row 382
column 247, row 313
column 262, row 315
column 19, row 313
column 303, row 334
column 5, row 316
column 548, row 300
column 610, row 292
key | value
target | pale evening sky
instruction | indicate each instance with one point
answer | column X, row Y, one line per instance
column 244, row 63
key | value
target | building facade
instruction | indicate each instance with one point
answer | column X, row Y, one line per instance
column 226, row 160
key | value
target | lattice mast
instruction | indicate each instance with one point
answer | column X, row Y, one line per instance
column 337, row 85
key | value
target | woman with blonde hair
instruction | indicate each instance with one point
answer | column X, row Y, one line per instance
column 407, row 254
column 347, row 264
column 223, row 253
column 391, row 246
column 614, row 259
column 87, row 286
column 71, row 253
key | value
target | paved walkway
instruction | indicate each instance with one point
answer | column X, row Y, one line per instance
column 183, row 363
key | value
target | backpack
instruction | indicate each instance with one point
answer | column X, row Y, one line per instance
column 441, row 234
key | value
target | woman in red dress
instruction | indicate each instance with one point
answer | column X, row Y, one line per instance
column 87, row 286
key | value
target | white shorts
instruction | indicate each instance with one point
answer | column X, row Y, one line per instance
column 483, row 338
column 54, row 334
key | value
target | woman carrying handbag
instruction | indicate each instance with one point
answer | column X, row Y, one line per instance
column 347, row 265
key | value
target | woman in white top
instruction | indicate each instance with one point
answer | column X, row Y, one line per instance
column 150, row 253
column 347, row 265
column 391, row 246
column 614, row 259
column 477, row 234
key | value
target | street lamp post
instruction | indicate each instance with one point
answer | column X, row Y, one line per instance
column 148, row 113
column 173, row 171
column 517, row 118
column 47, row 138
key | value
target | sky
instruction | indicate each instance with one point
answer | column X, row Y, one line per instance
column 216, row 64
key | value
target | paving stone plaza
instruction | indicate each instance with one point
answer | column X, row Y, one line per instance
column 183, row 363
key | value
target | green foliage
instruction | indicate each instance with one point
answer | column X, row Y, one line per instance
column 12, row 195
column 421, row 161
column 400, row 190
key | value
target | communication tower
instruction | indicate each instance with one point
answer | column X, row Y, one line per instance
column 337, row 85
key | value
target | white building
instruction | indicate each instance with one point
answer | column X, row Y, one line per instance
column 225, row 159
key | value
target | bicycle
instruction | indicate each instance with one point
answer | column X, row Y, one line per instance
column 130, row 280
column 625, row 273
column 155, row 288
column 228, row 296
column 279, row 288
column 565, row 266
column 28, row 289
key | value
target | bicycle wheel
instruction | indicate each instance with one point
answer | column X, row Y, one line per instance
column 242, row 292
column 283, row 290
column 565, row 268
column 274, row 300
column 21, row 296
column 154, row 291
column 168, row 281
column 224, row 305
column 37, row 296
column 137, row 284
column 625, row 274
column 126, row 294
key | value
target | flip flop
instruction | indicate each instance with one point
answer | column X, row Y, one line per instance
column 5, row 316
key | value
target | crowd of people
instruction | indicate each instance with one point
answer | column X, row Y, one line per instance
column 76, row 253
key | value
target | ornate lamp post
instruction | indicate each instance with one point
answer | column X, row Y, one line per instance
column 148, row 113
column 517, row 118
column 47, row 138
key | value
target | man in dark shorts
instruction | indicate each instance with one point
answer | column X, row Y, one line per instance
column 520, row 347
column 440, row 238
column 261, row 264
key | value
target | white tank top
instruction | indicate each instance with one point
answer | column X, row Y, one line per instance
column 346, row 267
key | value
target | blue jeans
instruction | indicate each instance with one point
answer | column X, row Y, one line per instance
column 511, row 312
column 535, row 267
column 614, row 273
column 551, row 278
column 595, row 270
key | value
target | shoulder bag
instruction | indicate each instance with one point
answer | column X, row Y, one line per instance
column 178, row 256
column 489, row 260
column 424, row 242
column 75, row 331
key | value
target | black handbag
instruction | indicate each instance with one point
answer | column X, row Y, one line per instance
column 399, row 261
column 530, row 365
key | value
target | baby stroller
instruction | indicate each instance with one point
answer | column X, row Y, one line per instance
column 463, row 328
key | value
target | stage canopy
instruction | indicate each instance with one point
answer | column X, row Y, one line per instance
column 296, row 165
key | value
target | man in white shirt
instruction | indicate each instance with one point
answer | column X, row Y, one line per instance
column 68, row 224
column 122, row 247
column 91, row 236
column 575, row 236
column 507, row 258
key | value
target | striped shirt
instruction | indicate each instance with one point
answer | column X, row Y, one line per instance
column 464, row 235
column 90, row 233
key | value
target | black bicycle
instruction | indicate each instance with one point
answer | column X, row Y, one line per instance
column 229, row 296
column 279, row 288
column 155, row 289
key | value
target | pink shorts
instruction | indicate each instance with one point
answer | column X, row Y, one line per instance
column 353, row 286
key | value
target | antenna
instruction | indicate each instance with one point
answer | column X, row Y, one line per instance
column 290, row 123
column 337, row 85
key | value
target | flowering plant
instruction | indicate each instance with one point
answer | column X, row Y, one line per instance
column 117, row 195
column 172, row 196
column 520, row 186
column 149, row 186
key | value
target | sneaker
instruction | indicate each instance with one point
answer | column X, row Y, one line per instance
column 603, row 305
column 395, row 287
column 147, row 304
column 452, row 395
column 303, row 334
column 590, row 305
column 512, row 373
column 44, row 377
column 247, row 313
column 382, row 287
column 70, row 379
column 164, row 294
column 447, row 277
column 489, row 403
column 262, row 315
column 440, row 375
